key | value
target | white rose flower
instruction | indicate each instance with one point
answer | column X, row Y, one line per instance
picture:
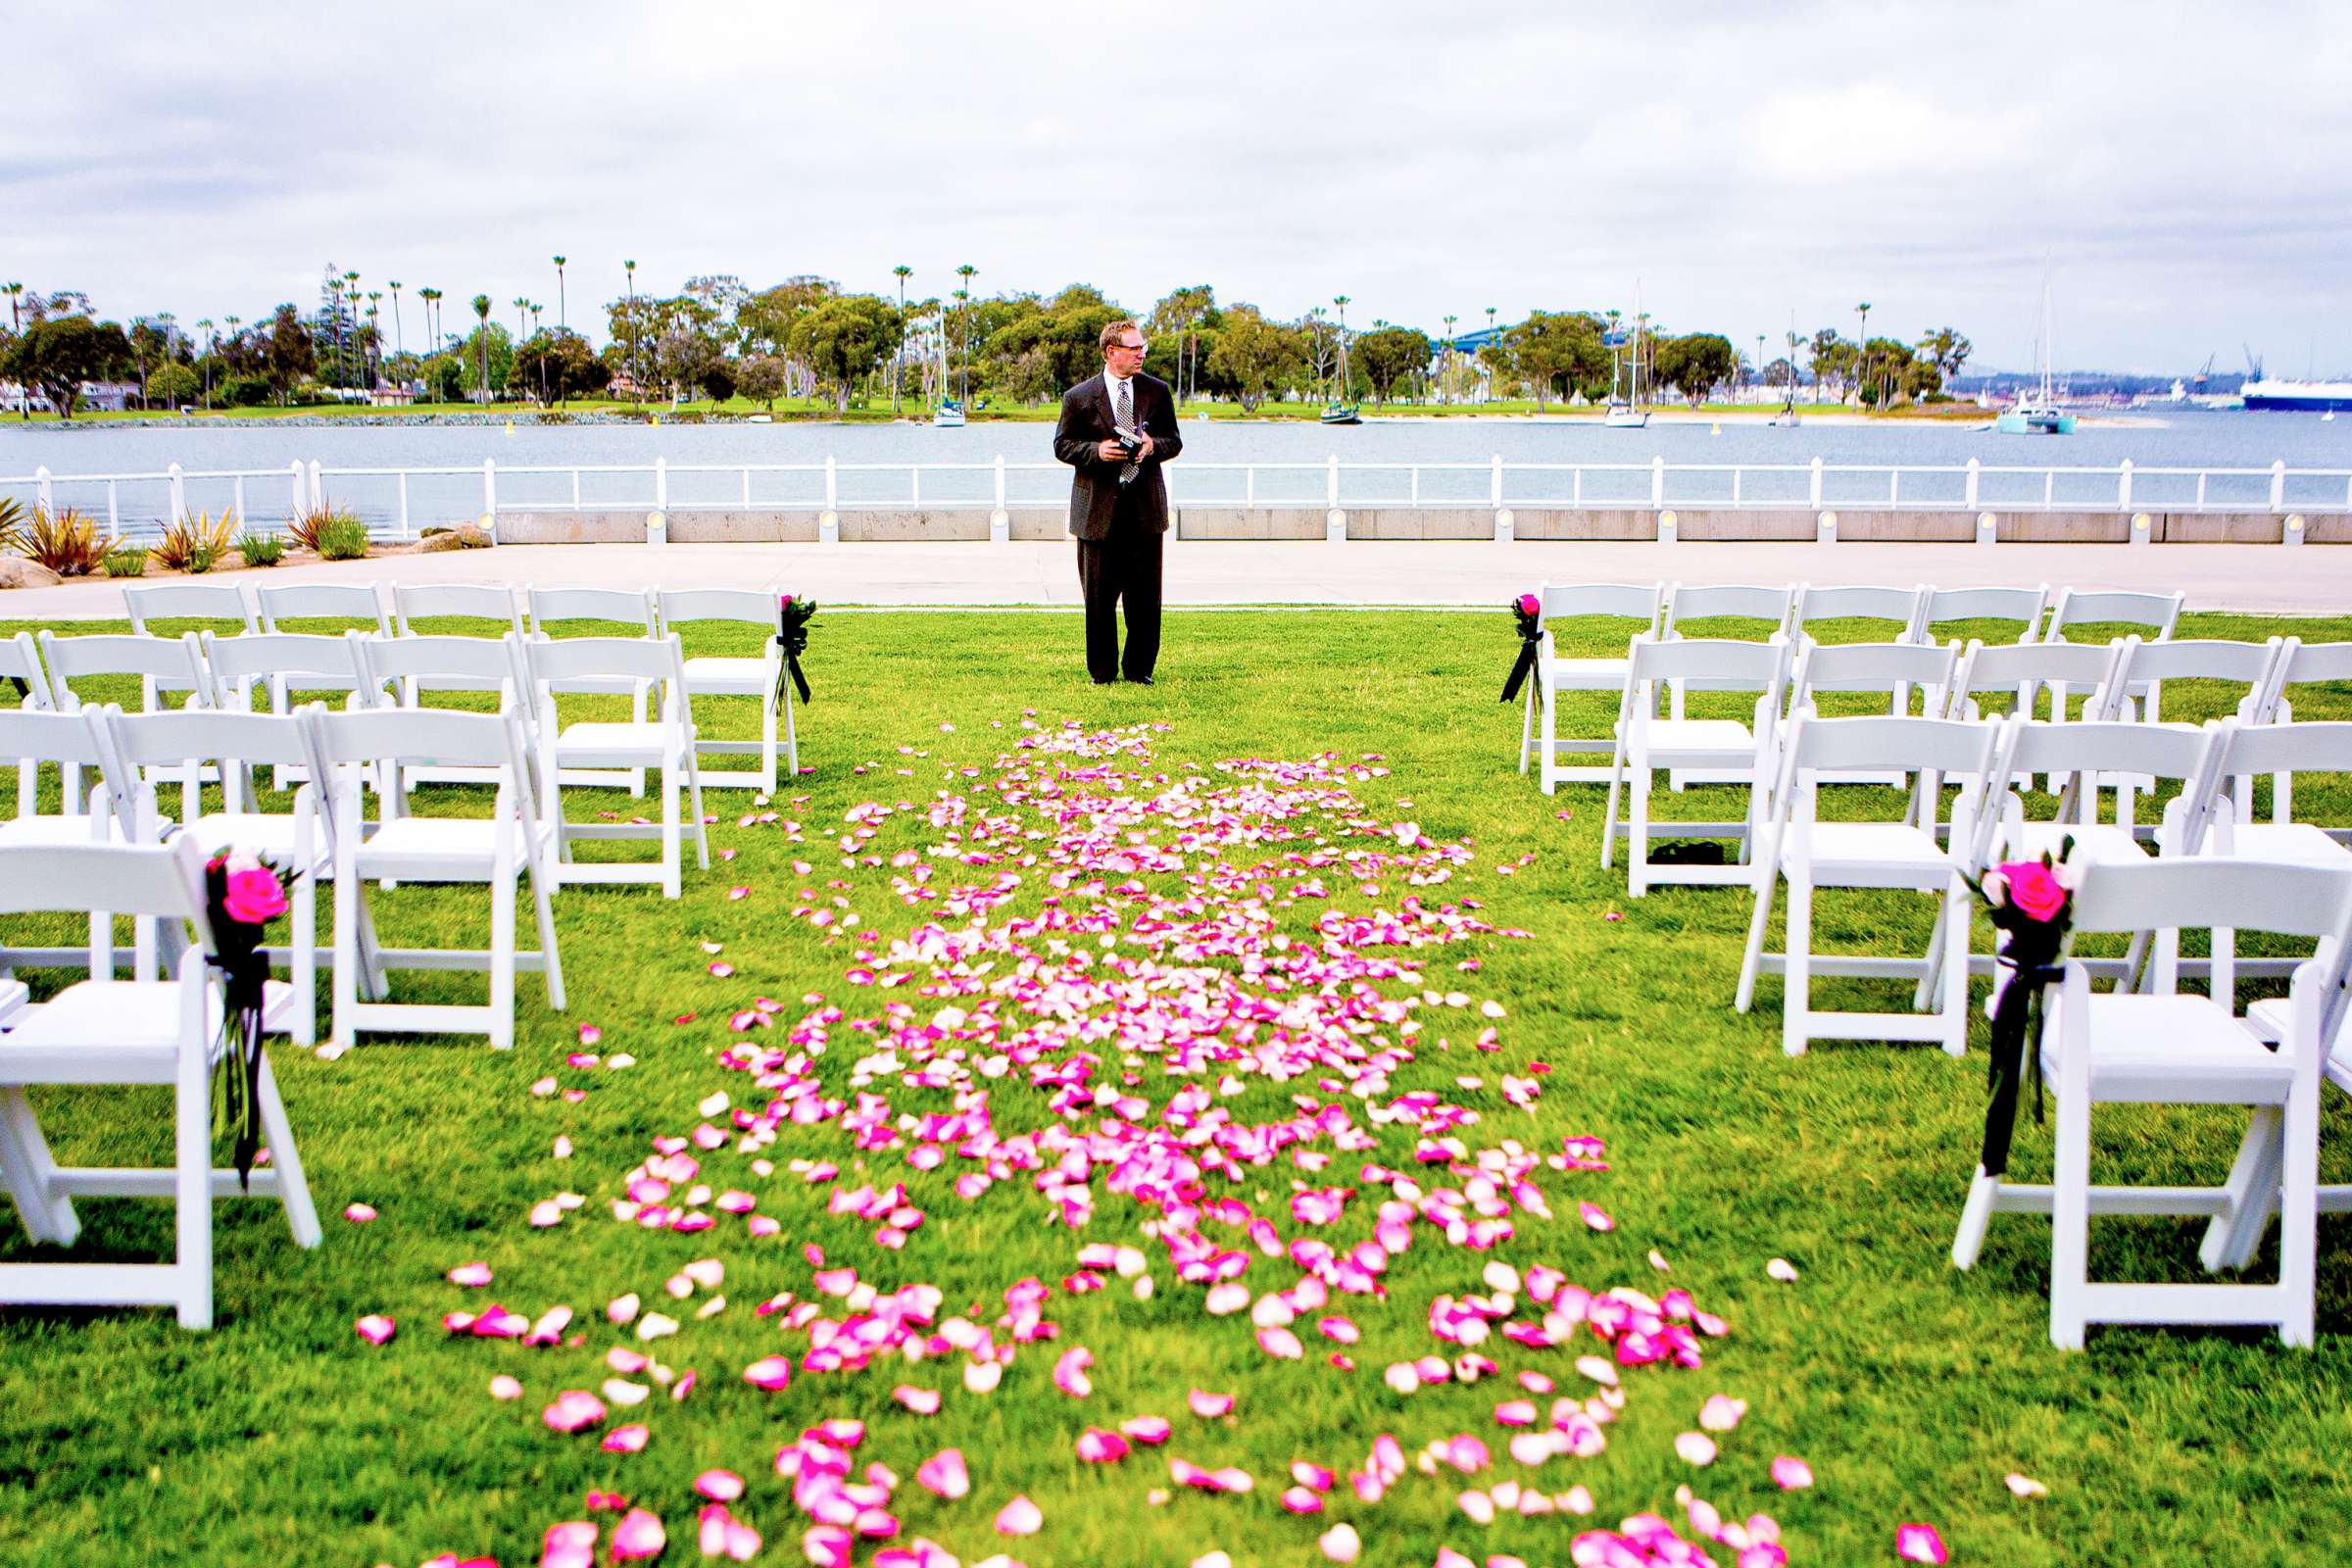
column 1996, row 889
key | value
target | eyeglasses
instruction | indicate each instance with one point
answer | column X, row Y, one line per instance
column 1131, row 348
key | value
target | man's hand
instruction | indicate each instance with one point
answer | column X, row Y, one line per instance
column 1145, row 450
column 1110, row 451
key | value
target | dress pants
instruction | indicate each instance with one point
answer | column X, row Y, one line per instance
column 1125, row 565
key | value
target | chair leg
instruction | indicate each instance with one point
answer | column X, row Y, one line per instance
column 1968, row 1243
column 2070, row 1222
column 694, row 797
column 2298, row 1216
column 1796, row 974
column 767, row 746
column 1527, row 727
column 1637, row 836
column 27, row 1171
column 2224, row 1232
column 305, row 960
column 301, row 1216
column 671, row 877
column 551, row 965
column 192, row 1142
column 344, row 984
column 1608, row 823
column 1953, row 982
column 792, row 738
column 1547, row 769
column 502, row 960
column 1758, row 921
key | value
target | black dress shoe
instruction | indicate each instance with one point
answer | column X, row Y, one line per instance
column 1106, row 683
column 1140, row 680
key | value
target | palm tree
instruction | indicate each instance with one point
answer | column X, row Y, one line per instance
column 16, row 321
column 375, row 337
column 1861, row 345
column 898, row 369
column 522, row 311
column 204, row 324
column 481, row 310
column 561, row 320
column 635, row 385
column 400, row 347
column 350, row 290
column 966, row 272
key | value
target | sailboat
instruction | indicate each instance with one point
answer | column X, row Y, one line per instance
column 1788, row 415
column 1340, row 410
column 949, row 416
column 2037, row 413
column 1625, row 411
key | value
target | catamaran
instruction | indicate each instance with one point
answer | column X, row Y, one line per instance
column 2037, row 413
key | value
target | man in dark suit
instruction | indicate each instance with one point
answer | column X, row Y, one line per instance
column 1118, row 502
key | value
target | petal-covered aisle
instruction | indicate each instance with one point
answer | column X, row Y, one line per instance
column 1218, row 1034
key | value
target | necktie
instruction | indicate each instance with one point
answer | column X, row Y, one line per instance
column 1126, row 420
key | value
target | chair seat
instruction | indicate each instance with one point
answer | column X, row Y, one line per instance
column 611, row 745
column 2098, row 844
column 116, row 1030
column 2176, row 1050
column 736, row 677
column 1572, row 675
column 23, row 831
column 2299, row 843
column 1723, row 735
column 262, row 832
column 1890, row 854
column 413, row 848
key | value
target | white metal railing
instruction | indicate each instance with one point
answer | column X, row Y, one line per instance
column 397, row 502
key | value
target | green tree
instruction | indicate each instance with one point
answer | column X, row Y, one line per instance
column 481, row 312
column 1387, row 356
column 1878, row 370
column 559, row 360
column 57, row 354
column 1254, row 356
column 1832, row 359
column 488, row 354
column 289, row 355
column 762, row 377
column 1946, row 349
column 1555, row 352
column 844, row 338
column 1696, row 364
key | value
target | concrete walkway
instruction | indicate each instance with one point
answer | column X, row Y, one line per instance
column 2309, row 580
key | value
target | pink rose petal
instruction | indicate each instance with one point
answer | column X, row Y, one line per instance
column 359, row 1213
column 720, row 1485
column 638, row 1537
column 943, row 1474
column 1695, row 1448
column 630, row 1438
column 1791, row 1474
column 471, row 1274
column 1020, row 1517
column 376, row 1329
column 1919, row 1543
column 770, row 1372
column 1209, row 1407
column 2024, row 1486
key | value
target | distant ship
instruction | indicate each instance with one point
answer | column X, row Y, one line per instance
column 2299, row 397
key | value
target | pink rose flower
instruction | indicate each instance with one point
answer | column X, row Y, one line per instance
column 1530, row 604
column 786, row 604
column 2033, row 890
column 255, row 897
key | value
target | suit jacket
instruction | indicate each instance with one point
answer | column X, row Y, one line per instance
column 1086, row 420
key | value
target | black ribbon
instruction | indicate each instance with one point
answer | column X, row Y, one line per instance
column 792, row 642
column 2017, row 1017
column 244, row 977
column 1530, row 637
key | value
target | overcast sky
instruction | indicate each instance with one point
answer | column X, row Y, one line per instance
column 2185, row 171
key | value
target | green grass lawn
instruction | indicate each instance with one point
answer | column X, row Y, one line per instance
column 1909, row 1389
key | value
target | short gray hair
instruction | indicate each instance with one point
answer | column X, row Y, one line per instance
column 1119, row 329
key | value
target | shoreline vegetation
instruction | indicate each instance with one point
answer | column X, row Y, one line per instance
column 821, row 411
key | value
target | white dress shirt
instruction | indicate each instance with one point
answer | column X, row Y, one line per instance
column 1111, row 388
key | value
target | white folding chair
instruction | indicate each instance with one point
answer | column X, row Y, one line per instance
column 2302, row 664
column 29, row 739
column 185, row 601
column 499, row 851
column 20, row 666
column 163, row 666
column 360, row 601
column 139, row 746
column 1715, row 749
column 1637, row 604
column 2018, row 671
column 666, row 743
column 279, row 664
column 402, row 672
column 2155, row 613
column 1889, row 671
column 1899, row 608
column 1901, row 854
column 629, row 611
column 2022, row 608
column 712, row 676
column 2181, row 1050
column 129, row 1032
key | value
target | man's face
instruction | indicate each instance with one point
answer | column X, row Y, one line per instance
column 1126, row 356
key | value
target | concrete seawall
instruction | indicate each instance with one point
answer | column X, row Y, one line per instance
column 1530, row 524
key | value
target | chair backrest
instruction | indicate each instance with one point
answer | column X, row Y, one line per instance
column 1629, row 601
column 176, row 661
column 31, row 736
column 2191, row 894
column 1900, row 606
column 2258, row 748
column 2106, row 746
column 1706, row 600
column 307, row 661
column 2248, row 665
column 207, row 601
column 1943, row 746
column 631, row 607
column 417, row 735
column 1757, row 666
column 2024, row 607
column 2013, row 666
column 2112, row 607
column 471, row 601
column 480, row 663
column 2302, row 664
column 161, row 880
column 756, row 606
column 323, row 601
column 555, row 662
column 161, row 739
column 21, row 660
column 1872, row 668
